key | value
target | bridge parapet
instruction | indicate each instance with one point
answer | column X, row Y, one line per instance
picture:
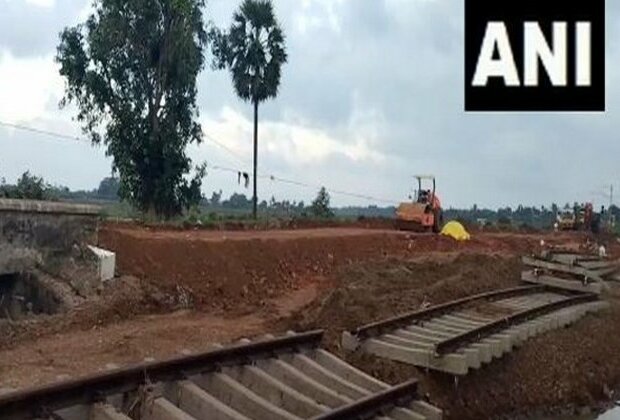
column 37, row 233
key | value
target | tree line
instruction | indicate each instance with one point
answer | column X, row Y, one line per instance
column 29, row 186
column 33, row 187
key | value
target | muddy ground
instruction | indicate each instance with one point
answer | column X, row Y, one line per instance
column 182, row 291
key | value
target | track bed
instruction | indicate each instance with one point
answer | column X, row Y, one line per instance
column 287, row 378
column 466, row 334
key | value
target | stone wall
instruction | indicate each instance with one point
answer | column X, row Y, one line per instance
column 35, row 233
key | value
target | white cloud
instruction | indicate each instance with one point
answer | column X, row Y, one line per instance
column 294, row 142
column 42, row 3
column 318, row 14
column 27, row 85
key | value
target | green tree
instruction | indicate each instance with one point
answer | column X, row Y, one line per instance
column 131, row 71
column 108, row 188
column 238, row 201
column 254, row 51
column 5, row 189
column 28, row 187
column 216, row 198
column 320, row 206
column 32, row 187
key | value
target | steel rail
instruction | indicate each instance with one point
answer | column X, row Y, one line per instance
column 599, row 265
column 376, row 328
column 374, row 404
column 561, row 268
column 31, row 402
column 453, row 343
column 572, row 256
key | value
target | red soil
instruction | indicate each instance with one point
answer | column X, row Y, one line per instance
column 240, row 270
column 248, row 283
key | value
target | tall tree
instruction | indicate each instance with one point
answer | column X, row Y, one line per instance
column 321, row 205
column 254, row 50
column 131, row 70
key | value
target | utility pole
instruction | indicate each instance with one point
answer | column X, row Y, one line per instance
column 610, row 216
column 611, row 203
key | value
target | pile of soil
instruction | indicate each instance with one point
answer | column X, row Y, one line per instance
column 374, row 291
column 237, row 272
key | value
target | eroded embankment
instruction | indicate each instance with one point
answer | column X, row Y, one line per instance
column 575, row 367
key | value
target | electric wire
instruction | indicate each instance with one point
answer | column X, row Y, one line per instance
column 217, row 167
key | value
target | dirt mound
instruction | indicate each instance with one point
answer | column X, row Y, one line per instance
column 239, row 271
column 374, row 291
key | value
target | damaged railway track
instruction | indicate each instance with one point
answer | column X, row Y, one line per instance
column 578, row 272
column 285, row 378
column 466, row 334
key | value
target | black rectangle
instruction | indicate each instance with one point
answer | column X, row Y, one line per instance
column 496, row 96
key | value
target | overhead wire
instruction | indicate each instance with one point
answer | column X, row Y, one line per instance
column 293, row 182
column 39, row 131
column 217, row 167
column 227, row 149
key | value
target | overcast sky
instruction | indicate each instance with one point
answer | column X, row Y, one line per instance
column 372, row 94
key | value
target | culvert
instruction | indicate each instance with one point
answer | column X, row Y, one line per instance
column 23, row 295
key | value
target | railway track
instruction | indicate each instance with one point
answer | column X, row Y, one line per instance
column 578, row 272
column 287, row 378
column 468, row 333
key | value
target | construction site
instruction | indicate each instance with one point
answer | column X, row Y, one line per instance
column 364, row 321
column 318, row 209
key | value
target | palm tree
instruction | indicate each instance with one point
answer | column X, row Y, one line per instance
column 254, row 51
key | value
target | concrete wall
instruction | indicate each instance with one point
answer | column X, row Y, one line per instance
column 35, row 233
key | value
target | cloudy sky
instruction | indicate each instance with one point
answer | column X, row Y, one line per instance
column 372, row 94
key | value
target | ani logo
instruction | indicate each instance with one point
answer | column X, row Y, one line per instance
column 534, row 55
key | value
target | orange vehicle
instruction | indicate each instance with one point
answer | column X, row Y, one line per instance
column 567, row 220
column 424, row 213
column 579, row 218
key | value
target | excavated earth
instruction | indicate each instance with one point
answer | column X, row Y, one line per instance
column 565, row 372
column 239, row 271
column 182, row 291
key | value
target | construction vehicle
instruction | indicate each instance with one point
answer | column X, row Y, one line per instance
column 566, row 219
column 424, row 214
column 580, row 218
